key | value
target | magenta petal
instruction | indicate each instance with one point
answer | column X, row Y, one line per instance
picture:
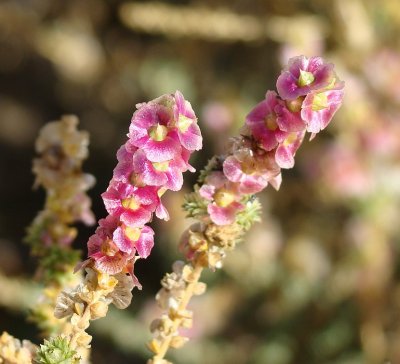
column 288, row 121
column 94, row 244
column 111, row 201
column 162, row 151
column 111, row 264
column 232, row 169
column 142, row 120
column 183, row 107
column 287, row 86
column 136, row 218
column 221, row 216
column 262, row 109
column 175, row 180
column 154, row 178
column 284, row 157
column 207, row 192
column 121, row 241
column 145, row 242
column 162, row 212
column 265, row 137
column 191, row 139
column 224, row 215
column 319, row 120
column 253, row 184
column 122, row 171
column 276, row 181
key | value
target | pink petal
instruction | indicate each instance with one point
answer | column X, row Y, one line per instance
column 191, row 139
column 288, row 121
column 207, row 192
column 161, row 212
column 136, row 218
column 111, row 265
column 145, row 242
column 224, row 215
column 284, row 157
column 232, row 169
column 162, row 151
column 121, row 241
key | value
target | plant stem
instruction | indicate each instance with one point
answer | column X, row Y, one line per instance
column 197, row 270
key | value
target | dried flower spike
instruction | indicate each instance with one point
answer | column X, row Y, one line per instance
column 58, row 169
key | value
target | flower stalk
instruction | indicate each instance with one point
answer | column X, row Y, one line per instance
column 62, row 149
column 223, row 202
column 162, row 135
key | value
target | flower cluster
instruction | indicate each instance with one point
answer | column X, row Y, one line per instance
column 58, row 169
column 13, row 351
column 62, row 150
column 162, row 135
column 309, row 95
column 224, row 202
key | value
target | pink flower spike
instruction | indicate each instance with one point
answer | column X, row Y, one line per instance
column 286, row 150
column 186, row 122
column 303, row 75
column 319, row 107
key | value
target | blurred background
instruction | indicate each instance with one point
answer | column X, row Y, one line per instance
column 317, row 282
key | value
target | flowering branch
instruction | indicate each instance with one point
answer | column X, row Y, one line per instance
column 223, row 202
column 58, row 170
column 162, row 135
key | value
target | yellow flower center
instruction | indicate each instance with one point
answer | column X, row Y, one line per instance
column 161, row 166
column 133, row 234
column 109, row 248
column 136, row 180
column 184, row 123
column 295, row 105
column 223, row 197
column 290, row 139
column 305, row 79
column 320, row 102
column 270, row 121
column 248, row 167
column 130, row 203
column 161, row 191
column 158, row 132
